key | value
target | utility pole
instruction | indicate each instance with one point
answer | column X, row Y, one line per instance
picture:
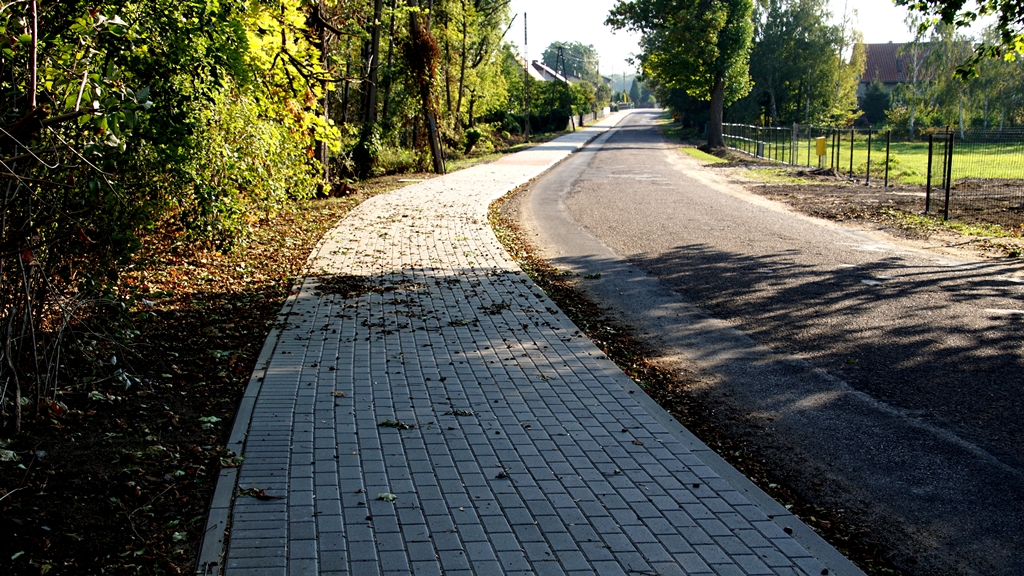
column 526, row 81
column 568, row 93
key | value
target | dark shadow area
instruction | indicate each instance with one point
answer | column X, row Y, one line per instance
column 923, row 446
column 888, row 328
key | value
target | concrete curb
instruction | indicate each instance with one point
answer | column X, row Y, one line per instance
column 215, row 537
column 837, row 564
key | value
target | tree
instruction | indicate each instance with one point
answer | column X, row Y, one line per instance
column 701, row 46
column 1000, row 87
column 875, row 102
column 794, row 62
column 634, row 91
column 947, row 50
column 1008, row 40
column 580, row 60
column 122, row 116
column 910, row 94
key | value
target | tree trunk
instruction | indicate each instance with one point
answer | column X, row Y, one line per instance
column 320, row 150
column 913, row 106
column 432, row 131
column 960, row 112
column 363, row 155
column 447, row 75
column 775, row 110
column 348, row 84
column 33, row 55
column 370, row 111
column 715, row 136
column 462, row 63
column 391, row 55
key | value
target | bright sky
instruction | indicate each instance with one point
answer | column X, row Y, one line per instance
column 583, row 21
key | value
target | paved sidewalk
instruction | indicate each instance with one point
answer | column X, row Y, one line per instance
column 424, row 367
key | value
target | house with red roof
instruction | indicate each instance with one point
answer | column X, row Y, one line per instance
column 890, row 64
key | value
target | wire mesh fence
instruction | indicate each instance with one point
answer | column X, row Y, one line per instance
column 975, row 175
column 988, row 175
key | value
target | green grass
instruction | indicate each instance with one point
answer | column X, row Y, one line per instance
column 934, row 223
column 909, row 164
column 703, row 156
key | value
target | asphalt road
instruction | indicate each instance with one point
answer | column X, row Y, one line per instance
column 878, row 377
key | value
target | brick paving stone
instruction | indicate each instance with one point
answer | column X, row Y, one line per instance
column 515, row 460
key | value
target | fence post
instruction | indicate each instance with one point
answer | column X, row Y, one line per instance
column 853, row 131
column 928, row 177
column 888, row 140
column 808, row 145
column 775, row 139
column 839, row 152
column 867, row 182
column 837, row 148
column 793, row 138
column 949, row 173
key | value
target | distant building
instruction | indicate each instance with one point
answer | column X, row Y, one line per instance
column 540, row 72
column 888, row 64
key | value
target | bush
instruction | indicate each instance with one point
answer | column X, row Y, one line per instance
column 240, row 165
column 396, row 160
column 473, row 135
column 504, row 121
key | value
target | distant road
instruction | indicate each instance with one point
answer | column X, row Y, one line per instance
column 882, row 378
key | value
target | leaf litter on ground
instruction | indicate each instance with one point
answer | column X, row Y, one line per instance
column 130, row 471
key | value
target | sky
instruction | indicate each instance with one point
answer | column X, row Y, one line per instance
column 583, row 21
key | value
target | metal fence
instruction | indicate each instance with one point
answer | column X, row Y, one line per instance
column 971, row 175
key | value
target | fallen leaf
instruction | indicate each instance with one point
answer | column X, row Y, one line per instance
column 396, row 424
column 259, row 494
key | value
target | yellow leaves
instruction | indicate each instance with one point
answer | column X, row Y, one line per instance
column 278, row 49
column 1018, row 49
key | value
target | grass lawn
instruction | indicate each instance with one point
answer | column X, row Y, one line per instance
column 703, row 156
column 909, row 160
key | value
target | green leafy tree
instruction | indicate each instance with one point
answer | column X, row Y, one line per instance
column 909, row 95
column 701, row 46
column 1000, row 89
column 602, row 95
column 1006, row 42
column 951, row 95
column 120, row 117
column 580, row 60
column 634, row 91
column 875, row 102
column 794, row 62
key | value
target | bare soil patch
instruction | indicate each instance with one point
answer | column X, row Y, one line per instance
column 898, row 210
